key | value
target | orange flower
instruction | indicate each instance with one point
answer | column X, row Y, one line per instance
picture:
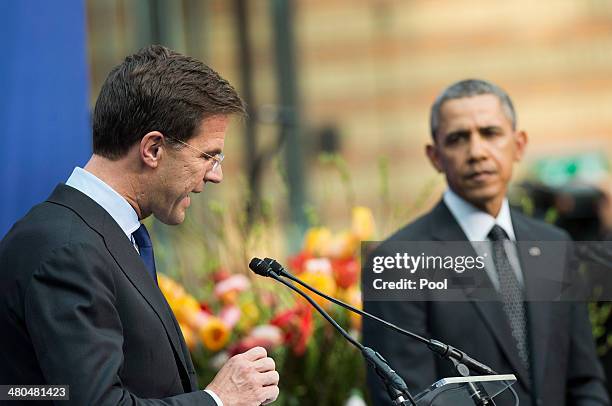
column 213, row 333
column 185, row 308
column 343, row 245
column 363, row 223
column 316, row 241
column 353, row 297
column 322, row 281
column 193, row 321
column 171, row 290
column 189, row 335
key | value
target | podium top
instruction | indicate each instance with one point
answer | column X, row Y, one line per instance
column 464, row 391
column 510, row 378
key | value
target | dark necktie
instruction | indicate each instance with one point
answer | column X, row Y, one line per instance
column 145, row 247
column 511, row 293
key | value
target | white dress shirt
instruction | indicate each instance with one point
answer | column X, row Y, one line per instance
column 119, row 209
column 476, row 225
column 111, row 201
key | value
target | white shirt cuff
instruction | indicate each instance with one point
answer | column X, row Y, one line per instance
column 214, row 396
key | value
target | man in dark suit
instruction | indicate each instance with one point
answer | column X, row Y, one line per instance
column 79, row 301
column 548, row 346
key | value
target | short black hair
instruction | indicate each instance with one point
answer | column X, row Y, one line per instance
column 470, row 88
column 157, row 89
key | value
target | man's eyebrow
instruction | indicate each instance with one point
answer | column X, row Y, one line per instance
column 490, row 127
column 459, row 131
column 213, row 151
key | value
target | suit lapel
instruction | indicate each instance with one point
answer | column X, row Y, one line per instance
column 536, row 260
column 126, row 257
column 495, row 318
column 132, row 266
column 445, row 228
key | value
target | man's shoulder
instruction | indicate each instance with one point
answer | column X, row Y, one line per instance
column 418, row 229
column 46, row 227
column 538, row 229
column 48, row 218
column 423, row 227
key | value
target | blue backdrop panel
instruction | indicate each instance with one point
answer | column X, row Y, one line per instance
column 44, row 111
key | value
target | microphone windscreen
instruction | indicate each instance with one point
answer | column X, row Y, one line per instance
column 259, row 267
column 276, row 267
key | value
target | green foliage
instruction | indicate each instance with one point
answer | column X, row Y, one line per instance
column 599, row 312
column 338, row 163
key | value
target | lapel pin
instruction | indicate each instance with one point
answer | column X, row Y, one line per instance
column 535, row 251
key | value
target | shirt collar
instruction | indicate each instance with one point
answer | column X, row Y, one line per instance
column 474, row 222
column 111, row 201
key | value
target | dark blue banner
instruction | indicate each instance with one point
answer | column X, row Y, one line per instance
column 44, row 108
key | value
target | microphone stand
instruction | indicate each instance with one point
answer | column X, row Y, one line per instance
column 396, row 387
column 462, row 362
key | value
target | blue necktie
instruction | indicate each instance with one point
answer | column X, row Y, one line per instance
column 145, row 247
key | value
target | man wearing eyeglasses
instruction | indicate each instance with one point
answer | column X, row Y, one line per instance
column 79, row 301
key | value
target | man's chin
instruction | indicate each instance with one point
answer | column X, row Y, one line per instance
column 483, row 195
column 179, row 219
column 173, row 219
column 485, row 201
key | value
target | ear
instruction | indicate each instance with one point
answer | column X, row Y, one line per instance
column 151, row 148
column 434, row 156
column 520, row 139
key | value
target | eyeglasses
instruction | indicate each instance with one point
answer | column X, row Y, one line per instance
column 217, row 158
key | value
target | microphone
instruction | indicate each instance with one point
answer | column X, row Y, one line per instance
column 396, row 387
column 456, row 356
column 262, row 267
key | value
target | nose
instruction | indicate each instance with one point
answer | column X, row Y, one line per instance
column 477, row 147
column 215, row 176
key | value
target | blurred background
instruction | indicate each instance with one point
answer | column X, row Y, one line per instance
column 357, row 78
column 339, row 93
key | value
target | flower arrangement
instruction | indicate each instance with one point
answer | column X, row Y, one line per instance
column 237, row 314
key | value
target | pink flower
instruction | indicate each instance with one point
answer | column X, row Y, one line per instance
column 266, row 336
column 227, row 290
column 230, row 315
column 268, row 332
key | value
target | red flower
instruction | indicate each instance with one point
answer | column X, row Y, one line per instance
column 221, row 274
column 205, row 307
column 297, row 326
column 296, row 262
column 346, row 272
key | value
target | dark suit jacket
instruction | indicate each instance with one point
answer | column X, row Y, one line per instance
column 78, row 308
column 564, row 364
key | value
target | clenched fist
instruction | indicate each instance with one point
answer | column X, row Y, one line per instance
column 247, row 379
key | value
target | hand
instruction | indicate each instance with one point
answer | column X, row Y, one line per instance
column 247, row 379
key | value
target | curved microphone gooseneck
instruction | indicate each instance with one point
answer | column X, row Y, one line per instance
column 396, row 386
column 444, row 350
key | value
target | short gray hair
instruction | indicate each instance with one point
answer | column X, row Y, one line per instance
column 470, row 88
